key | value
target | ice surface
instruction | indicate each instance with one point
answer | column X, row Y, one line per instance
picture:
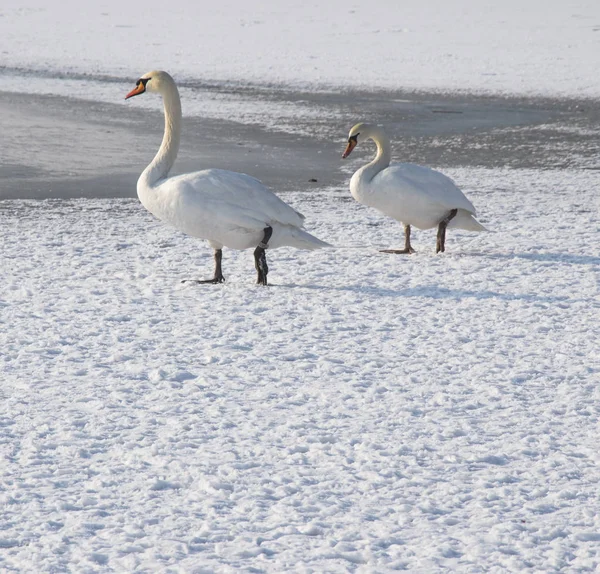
column 426, row 413
column 531, row 47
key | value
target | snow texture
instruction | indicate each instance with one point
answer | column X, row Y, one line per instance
column 365, row 413
column 513, row 46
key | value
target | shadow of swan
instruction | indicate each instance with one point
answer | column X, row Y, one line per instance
column 542, row 257
column 437, row 292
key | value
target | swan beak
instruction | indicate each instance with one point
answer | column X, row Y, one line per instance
column 139, row 89
column 351, row 145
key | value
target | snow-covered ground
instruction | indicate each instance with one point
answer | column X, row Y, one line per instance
column 512, row 46
column 365, row 412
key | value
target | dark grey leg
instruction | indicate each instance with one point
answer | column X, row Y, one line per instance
column 218, row 278
column 260, row 258
column 440, row 244
column 407, row 247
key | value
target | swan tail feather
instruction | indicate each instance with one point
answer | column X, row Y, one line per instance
column 466, row 220
column 300, row 239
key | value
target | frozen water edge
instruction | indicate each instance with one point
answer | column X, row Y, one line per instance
column 70, row 147
column 364, row 411
column 223, row 101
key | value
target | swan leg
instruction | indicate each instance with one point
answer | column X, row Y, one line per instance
column 260, row 258
column 218, row 277
column 440, row 244
column 407, row 246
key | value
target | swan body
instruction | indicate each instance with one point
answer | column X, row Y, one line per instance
column 226, row 208
column 412, row 194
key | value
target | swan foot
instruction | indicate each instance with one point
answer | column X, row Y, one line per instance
column 218, row 277
column 398, row 251
column 407, row 247
column 440, row 244
column 214, row 280
column 260, row 257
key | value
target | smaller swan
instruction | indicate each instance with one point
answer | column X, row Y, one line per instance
column 228, row 209
column 412, row 194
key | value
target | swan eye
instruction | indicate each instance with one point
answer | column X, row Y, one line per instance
column 142, row 81
column 354, row 138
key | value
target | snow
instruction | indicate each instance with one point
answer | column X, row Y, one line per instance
column 365, row 412
column 514, row 46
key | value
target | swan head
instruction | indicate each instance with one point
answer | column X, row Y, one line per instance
column 155, row 81
column 360, row 132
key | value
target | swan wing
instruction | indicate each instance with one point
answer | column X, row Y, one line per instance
column 233, row 197
column 421, row 187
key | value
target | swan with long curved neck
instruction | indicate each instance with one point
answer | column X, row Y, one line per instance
column 228, row 209
column 412, row 194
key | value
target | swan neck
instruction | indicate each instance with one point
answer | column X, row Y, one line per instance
column 382, row 158
column 164, row 159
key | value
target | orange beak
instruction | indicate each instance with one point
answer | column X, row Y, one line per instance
column 351, row 145
column 139, row 89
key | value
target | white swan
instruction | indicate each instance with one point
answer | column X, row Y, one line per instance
column 412, row 194
column 226, row 208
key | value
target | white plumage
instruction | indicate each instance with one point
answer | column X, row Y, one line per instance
column 412, row 194
column 226, row 208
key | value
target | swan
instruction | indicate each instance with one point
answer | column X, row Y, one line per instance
column 226, row 208
column 412, row 194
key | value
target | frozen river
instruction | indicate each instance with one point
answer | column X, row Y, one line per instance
column 54, row 146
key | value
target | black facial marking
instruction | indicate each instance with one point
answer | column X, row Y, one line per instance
column 142, row 81
column 354, row 138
